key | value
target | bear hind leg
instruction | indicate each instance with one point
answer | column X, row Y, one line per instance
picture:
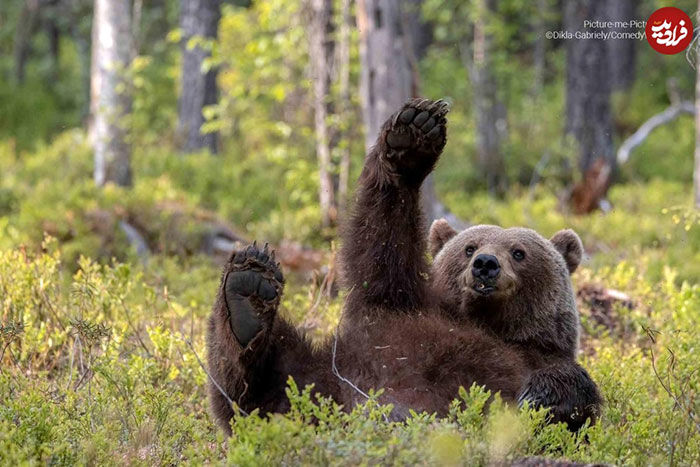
column 252, row 289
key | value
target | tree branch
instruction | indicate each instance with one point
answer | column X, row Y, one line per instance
column 638, row 137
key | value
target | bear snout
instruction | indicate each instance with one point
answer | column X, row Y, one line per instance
column 486, row 267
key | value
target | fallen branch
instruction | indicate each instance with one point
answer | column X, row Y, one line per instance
column 638, row 137
column 215, row 238
column 136, row 240
column 602, row 306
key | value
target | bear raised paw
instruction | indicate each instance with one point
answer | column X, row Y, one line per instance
column 413, row 138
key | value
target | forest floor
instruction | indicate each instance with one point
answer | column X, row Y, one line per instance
column 100, row 356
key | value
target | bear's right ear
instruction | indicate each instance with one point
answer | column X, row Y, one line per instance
column 568, row 243
column 440, row 233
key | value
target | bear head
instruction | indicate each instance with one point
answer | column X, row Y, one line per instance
column 513, row 281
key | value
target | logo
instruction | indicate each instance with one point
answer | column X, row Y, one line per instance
column 669, row 30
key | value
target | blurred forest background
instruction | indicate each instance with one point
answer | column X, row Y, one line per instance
column 142, row 140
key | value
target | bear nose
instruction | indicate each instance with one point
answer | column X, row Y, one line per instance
column 486, row 267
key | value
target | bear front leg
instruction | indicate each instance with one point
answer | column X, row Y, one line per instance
column 567, row 390
column 383, row 252
column 243, row 333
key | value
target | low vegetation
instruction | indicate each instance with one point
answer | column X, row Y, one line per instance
column 100, row 352
column 101, row 339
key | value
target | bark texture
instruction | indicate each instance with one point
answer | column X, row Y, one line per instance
column 109, row 96
column 588, row 86
column 392, row 40
column 489, row 111
column 344, row 100
column 386, row 79
column 623, row 52
column 321, row 48
column 198, row 19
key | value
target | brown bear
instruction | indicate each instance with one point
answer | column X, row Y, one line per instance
column 418, row 335
column 514, row 284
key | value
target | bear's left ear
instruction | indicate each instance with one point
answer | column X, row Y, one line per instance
column 568, row 243
column 440, row 233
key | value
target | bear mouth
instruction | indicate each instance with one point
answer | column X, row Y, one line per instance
column 483, row 289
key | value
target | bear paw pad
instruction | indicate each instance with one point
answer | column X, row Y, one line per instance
column 420, row 124
column 252, row 288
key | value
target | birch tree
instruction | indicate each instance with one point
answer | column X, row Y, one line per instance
column 321, row 51
column 109, row 97
column 344, row 99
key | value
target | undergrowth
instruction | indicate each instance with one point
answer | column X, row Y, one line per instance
column 101, row 366
column 99, row 350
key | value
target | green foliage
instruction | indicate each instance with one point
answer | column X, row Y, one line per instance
column 669, row 153
column 97, row 350
column 172, row 202
column 639, row 229
column 153, row 107
column 97, row 367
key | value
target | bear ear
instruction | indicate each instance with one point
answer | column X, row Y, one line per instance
column 440, row 233
column 568, row 243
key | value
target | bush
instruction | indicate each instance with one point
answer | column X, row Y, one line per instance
column 99, row 367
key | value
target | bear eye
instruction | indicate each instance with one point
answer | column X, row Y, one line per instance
column 470, row 251
column 518, row 255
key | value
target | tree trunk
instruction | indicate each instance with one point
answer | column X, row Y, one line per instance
column 53, row 34
column 26, row 24
column 199, row 19
column 321, row 48
column 386, row 80
column 622, row 52
column 392, row 37
column 540, row 50
column 489, row 111
column 419, row 34
column 109, row 97
column 344, row 101
column 588, row 117
column 136, row 13
column 696, row 173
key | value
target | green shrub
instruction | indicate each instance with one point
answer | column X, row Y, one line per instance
column 97, row 367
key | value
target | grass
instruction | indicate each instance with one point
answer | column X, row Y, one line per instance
column 98, row 352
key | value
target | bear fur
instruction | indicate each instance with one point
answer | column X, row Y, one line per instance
column 529, row 304
column 417, row 332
